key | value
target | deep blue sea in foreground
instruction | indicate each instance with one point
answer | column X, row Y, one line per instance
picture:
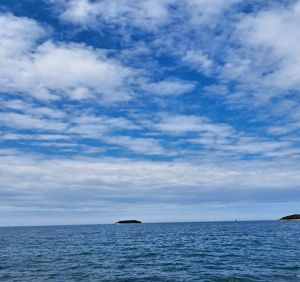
column 217, row 251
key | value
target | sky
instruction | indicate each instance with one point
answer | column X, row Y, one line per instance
column 156, row 110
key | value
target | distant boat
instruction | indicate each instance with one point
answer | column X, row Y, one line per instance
column 130, row 221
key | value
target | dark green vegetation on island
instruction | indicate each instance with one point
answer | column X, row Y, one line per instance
column 128, row 221
column 291, row 217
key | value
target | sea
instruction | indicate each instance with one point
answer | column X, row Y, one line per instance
column 204, row 251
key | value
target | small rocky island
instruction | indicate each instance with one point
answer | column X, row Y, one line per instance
column 130, row 221
column 291, row 217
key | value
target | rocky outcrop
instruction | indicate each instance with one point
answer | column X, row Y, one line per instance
column 291, row 217
column 130, row 221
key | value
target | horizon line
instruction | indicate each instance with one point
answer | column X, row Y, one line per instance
column 162, row 222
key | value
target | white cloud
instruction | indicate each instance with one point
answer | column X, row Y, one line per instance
column 76, row 67
column 270, row 47
column 52, row 70
column 21, row 121
column 204, row 12
column 169, row 87
column 145, row 146
column 198, row 60
column 44, row 137
column 220, row 139
column 181, row 124
column 80, row 11
column 97, row 126
column 255, row 145
column 32, row 108
column 18, row 35
column 146, row 14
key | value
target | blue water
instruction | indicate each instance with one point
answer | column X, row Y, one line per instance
column 223, row 251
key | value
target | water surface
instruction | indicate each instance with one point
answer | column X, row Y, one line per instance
column 219, row 251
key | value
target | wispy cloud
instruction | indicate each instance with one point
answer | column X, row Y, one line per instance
column 169, row 87
column 112, row 180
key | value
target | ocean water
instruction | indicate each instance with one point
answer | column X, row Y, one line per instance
column 219, row 251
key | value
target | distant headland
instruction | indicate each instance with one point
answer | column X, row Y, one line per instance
column 130, row 221
column 291, row 217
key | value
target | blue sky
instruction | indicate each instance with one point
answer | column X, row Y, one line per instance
column 160, row 110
